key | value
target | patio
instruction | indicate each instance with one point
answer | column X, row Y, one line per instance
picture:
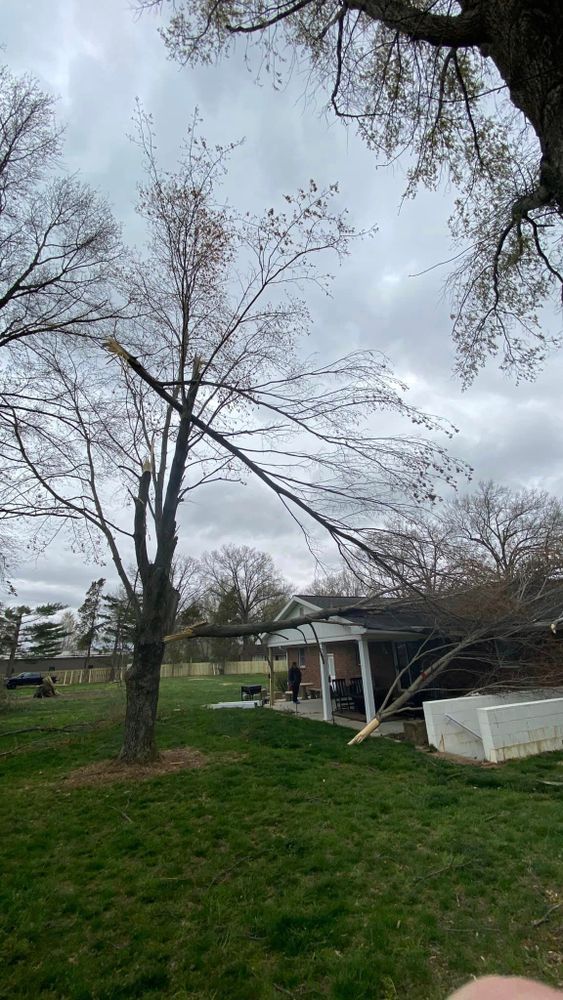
column 312, row 708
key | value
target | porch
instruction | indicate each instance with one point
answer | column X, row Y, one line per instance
column 312, row 708
column 353, row 659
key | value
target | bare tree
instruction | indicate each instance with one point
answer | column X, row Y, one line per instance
column 69, row 623
column 187, row 582
column 238, row 584
column 472, row 89
column 245, row 575
column 506, row 532
column 491, row 533
column 59, row 244
column 419, row 556
column 219, row 321
column 344, row 582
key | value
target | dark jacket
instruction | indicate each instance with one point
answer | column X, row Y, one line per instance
column 294, row 676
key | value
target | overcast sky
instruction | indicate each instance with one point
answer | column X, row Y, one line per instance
column 97, row 58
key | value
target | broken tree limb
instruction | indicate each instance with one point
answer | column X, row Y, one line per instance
column 233, row 629
column 422, row 681
column 365, row 732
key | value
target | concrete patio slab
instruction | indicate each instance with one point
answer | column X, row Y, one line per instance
column 312, row 708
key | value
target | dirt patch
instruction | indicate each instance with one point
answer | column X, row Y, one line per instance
column 108, row 772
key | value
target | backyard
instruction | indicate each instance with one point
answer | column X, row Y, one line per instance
column 285, row 864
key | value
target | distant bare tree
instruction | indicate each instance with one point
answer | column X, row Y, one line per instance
column 506, row 532
column 68, row 621
column 492, row 533
column 247, row 577
column 345, row 582
column 187, row 582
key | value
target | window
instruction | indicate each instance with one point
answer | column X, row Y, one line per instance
column 301, row 657
column 404, row 652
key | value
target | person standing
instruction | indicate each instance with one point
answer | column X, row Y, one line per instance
column 294, row 681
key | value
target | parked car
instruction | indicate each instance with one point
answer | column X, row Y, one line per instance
column 25, row 680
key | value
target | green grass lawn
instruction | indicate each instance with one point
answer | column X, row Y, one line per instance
column 291, row 865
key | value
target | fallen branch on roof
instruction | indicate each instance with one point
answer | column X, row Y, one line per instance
column 204, row 630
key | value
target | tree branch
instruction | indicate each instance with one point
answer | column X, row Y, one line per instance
column 140, row 523
column 437, row 29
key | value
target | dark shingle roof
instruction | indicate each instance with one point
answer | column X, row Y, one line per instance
column 394, row 618
column 329, row 602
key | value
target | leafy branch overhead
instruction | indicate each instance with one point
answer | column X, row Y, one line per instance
column 472, row 90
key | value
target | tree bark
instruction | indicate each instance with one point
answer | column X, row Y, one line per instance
column 525, row 41
column 142, row 683
column 142, row 680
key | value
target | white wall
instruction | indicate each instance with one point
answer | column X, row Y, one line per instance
column 326, row 632
column 449, row 738
column 522, row 729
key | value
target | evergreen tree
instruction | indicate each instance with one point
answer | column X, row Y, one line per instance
column 117, row 624
column 17, row 625
column 89, row 617
column 45, row 638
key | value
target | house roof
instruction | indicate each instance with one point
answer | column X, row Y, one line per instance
column 387, row 616
column 328, row 602
column 380, row 614
column 392, row 619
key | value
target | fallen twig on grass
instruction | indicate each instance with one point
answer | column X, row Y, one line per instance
column 547, row 914
column 50, row 729
column 227, row 871
column 438, row 871
column 32, row 745
column 122, row 813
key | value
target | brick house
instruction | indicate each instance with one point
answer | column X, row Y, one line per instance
column 366, row 651
column 363, row 651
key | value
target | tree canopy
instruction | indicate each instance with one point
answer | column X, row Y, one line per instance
column 472, row 90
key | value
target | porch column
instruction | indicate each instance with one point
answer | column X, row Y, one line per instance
column 367, row 682
column 325, row 684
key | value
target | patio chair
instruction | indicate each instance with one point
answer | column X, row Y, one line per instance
column 341, row 694
column 356, row 688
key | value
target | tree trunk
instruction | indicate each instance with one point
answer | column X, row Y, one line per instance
column 525, row 42
column 142, row 683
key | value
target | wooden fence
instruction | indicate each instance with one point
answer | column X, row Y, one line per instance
column 101, row 675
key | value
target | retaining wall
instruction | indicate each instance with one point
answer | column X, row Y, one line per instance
column 448, row 737
column 497, row 727
column 522, row 729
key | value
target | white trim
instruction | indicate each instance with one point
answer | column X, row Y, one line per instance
column 325, row 684
column 297, row 601
column 367, row 681
column 278, row 638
